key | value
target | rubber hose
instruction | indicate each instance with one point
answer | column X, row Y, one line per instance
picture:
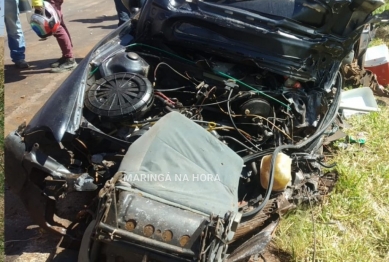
column 332, row 116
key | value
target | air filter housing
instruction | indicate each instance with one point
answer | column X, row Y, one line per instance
column 121, row 96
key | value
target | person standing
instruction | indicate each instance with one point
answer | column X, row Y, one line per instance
column 67, row 62
column 123, row 14
column 16, row 42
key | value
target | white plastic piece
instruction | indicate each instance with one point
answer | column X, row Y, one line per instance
column 376, row 56
column 359, row 100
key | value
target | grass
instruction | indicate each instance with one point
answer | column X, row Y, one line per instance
column 353, row 223
column 382, row 8
column 382, row 34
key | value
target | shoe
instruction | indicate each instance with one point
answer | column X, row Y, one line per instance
column 58, row 62
column 68, row 65
column 22, row 64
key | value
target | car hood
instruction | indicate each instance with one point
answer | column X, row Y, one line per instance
column 297, row 38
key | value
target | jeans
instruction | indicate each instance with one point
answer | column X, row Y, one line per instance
column 123, row 13
column 16, row 42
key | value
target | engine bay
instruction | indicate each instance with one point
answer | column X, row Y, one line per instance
column 250, row 109
column 255, row 111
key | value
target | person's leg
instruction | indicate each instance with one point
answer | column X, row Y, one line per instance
column 67, row 61
column 15, row 34
column 123, row 13
column 63, row 37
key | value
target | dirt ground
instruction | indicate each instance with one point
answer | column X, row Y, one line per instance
column 25, row 92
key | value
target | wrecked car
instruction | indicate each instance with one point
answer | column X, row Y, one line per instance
column 186, row 132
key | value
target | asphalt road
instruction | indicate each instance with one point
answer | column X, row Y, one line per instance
column 25, row 92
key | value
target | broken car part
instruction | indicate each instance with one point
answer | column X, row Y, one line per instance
column 202, row 90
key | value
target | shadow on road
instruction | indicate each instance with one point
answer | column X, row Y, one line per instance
column 96, row 20
column 21, row 235
column 111, row 27
column 13, row 74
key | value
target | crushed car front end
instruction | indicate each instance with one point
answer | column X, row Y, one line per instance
column 239, row 93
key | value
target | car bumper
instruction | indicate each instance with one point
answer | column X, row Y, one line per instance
column 23, row 171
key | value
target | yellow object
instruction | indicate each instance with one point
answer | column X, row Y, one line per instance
column 211, row 126
column 282, row 172
column 37, row 3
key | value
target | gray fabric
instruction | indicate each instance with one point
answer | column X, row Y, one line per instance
column 174, row 146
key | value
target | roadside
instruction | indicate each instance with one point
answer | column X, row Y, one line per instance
column 1, row 148
column 25, row 92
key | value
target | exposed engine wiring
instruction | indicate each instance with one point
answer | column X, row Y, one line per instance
column 207, row 122
column 198, row 81
column 174, row 70
column 233, row 123
column 238, row 142
column 208, row 93
column 215, row 71
column 164, row 101
column 271, row 123
column 323, row 127
column 187, row 77
column 274, row 120
column 257, row 116
column 245, row 134
column 93, row 71
column 210, row 104
column 252, row 88
column 165, row 97
column 257, row 131
column 170, row 89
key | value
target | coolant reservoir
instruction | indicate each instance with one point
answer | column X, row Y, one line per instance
column 282, row 171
